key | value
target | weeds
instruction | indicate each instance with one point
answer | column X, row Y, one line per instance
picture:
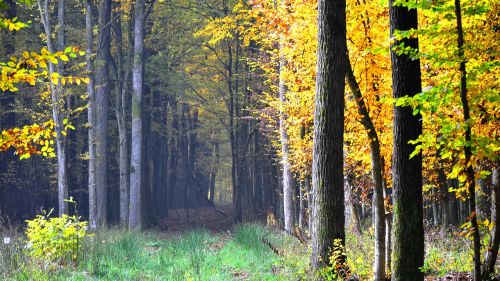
column 199, row 255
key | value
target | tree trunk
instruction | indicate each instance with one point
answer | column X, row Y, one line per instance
column 470, row 182
column 492, row 251
column 352, row 199
column 121, row 99
column 288, row 183
column 408, row 254
column 302, row 206
column 327, row 172
column 257, row 170
column 172, row 171
column 57, row 95
column 136, row 159
column 102, row 91
column 215, row 167
column 91, row 118
column 378, row 189
column 444, row 197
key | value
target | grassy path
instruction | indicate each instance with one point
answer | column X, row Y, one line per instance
column 195, row 255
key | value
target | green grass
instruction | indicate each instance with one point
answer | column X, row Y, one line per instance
column 196, row 255
column 201, row 255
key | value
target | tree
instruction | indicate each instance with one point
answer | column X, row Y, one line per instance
column 377, row 176
column 57, row 95
column 98, row 217
column 408, row 254
column 492, row 251
column 288, row 181
column 91, row 118
column 122, row 74
column 136, row 159
column 327, row 171
column 470, row 178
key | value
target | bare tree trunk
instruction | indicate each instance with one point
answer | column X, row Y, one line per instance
column 215, row 167
column 100, row 111
column 492, row 251
column 310, row 195
column 351, row 198
column 91, row 118
column 388, row 233
column 174, row 140
column 302, row 206
column 327, row 172
column 378, row 189
column 136, row 159
column 408, row 254
column 470, row 182
column 121, row 100
column 288, row 182
column 434, row 206
column 257, row 166
column 444, row 197
column 57, row 94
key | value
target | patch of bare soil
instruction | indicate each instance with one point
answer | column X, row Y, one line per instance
column 181, row 220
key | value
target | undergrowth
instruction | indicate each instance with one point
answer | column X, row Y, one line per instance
column 248, row 252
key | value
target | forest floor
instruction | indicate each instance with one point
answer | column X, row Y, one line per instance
column 206, row 246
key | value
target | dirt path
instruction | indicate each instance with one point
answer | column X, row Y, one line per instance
column 182, row 220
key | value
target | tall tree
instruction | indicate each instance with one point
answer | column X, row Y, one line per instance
column 469, row 169
column 122, row 73
column 89, row 28
column 288, row 182
column 57, row 98
column 408, row 254
column 492, row 251
column 377, row 172
column 327, row 173
column 136, row 159
column 102, row 89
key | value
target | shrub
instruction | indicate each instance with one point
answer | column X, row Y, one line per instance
column 55, row 240
column 338, row 268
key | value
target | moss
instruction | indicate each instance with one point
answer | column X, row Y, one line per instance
column 136, row 109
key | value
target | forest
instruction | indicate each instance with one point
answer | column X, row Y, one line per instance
column 249, row 140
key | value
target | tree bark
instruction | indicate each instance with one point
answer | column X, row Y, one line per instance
column 470, row 181
column 327, row 172
column 174, row 140
column 91, row 118
column 56, row 96
column 136, row 159
column 102, row 90
column 121, row 100
column 215, row 167
column 408, row 254
column 378, row 189
column 288, row 182
column 492, row 251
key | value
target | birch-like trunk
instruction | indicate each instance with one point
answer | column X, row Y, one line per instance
column 136, row 160
column 288, row 184
column 121, row 100
column 57, row 95
column 89, row 28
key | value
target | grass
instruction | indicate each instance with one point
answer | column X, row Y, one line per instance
column 201, row 255
column 196, row 255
